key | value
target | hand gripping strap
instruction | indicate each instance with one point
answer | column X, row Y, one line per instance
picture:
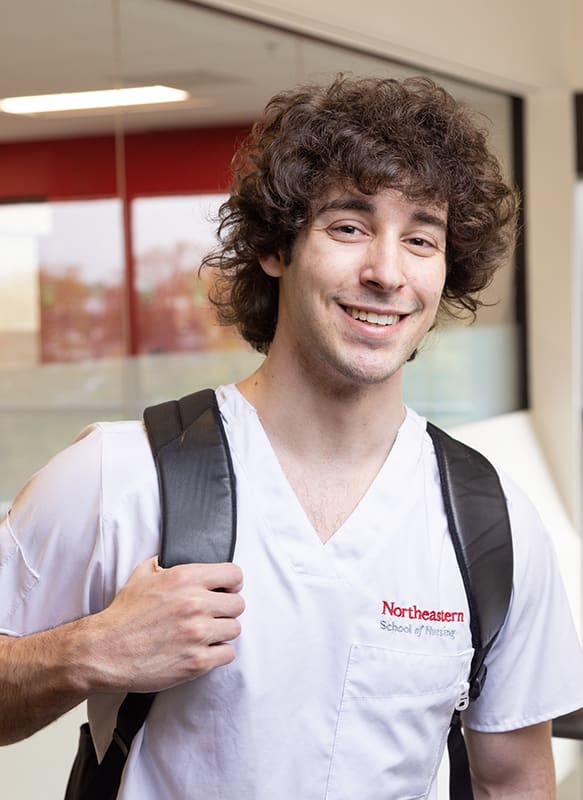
column 196, row 479
column 197, row 501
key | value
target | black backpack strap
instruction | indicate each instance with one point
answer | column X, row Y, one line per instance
column 196, row 479
column 479, row 526
column 460, row 781
column 198, row 524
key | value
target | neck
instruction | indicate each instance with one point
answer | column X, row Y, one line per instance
column 315, row 420
column 331, row 438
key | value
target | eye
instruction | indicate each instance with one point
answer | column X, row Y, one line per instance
column 346, row 231
column 419, row 241
column 421, row 245
column 349, row 230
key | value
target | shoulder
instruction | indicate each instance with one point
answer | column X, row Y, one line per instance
column 111, row 455
column 534, row 558
column 122, row 454
column 538, row 583
column 538, row 629
column 87, row 517
column 528, row 531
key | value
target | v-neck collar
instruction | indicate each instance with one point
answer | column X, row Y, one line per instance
column 366, row 528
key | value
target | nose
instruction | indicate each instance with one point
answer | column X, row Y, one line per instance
column 383, row 266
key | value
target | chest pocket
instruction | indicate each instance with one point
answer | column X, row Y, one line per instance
column 393, row 721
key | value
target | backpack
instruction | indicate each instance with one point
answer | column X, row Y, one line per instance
column 197, row 497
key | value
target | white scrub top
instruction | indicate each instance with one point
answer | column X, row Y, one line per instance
column 352, row 654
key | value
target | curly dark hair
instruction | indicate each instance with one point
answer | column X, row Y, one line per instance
column 372, row 134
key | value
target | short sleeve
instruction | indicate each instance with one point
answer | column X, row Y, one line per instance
column 535, row 668
column 77, row 529
column 50, row 542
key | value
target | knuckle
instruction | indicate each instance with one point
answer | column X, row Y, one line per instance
column 190, row 604
column 200, row 662
column 188, row 608
column 195, row 605
column 197, row 630
column 211, row 657
column 177, row 576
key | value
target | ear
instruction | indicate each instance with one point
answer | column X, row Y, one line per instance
column 273, row 265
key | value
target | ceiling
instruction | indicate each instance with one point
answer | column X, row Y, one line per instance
column 234, row 66
column 229, row 65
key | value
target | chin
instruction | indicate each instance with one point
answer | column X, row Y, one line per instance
column 361, row 377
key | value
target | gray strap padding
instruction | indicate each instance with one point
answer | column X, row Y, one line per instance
column 196, row 479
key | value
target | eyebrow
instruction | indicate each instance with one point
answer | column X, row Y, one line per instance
column 348, row 203
column 429, row 218
column 353, row 203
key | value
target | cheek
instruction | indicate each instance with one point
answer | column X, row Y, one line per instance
column 431, row 285
column 309, row 281
column 429, row 290
column 437, row 290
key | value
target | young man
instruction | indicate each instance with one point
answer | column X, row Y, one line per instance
column 358, row 211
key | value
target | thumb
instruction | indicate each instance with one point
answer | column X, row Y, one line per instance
column 147, row 567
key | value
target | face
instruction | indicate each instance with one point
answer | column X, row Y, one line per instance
column 363, row 286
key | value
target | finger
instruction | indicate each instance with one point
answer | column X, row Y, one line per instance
column 219, row 655
column 228, row 577
column 146, row 567
column 212, row 576
column 223, row 604
column 224, row 630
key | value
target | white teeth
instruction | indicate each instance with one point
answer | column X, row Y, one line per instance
column 373, row 317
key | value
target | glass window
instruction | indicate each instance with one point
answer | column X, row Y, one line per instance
column 170, row 237
column 21, row 227
column 81, row 281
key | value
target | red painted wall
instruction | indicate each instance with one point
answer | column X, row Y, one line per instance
column 163, row 162
column 156, row 163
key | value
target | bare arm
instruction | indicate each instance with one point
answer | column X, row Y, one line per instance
column 165, row 627
column 517, row 765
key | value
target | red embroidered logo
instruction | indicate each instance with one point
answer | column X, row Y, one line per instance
column 413, row 612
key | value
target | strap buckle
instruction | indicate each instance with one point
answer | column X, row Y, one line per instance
column 478, row 681
column 120, row 742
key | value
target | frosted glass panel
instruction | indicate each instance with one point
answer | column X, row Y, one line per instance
column 43, row 408
column 465, row 374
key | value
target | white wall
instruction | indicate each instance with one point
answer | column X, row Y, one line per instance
column 553, row 298
column 512, row 44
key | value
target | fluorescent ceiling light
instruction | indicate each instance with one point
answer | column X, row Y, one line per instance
column 77, row 101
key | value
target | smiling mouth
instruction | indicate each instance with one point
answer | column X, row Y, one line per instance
column 372, row 317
